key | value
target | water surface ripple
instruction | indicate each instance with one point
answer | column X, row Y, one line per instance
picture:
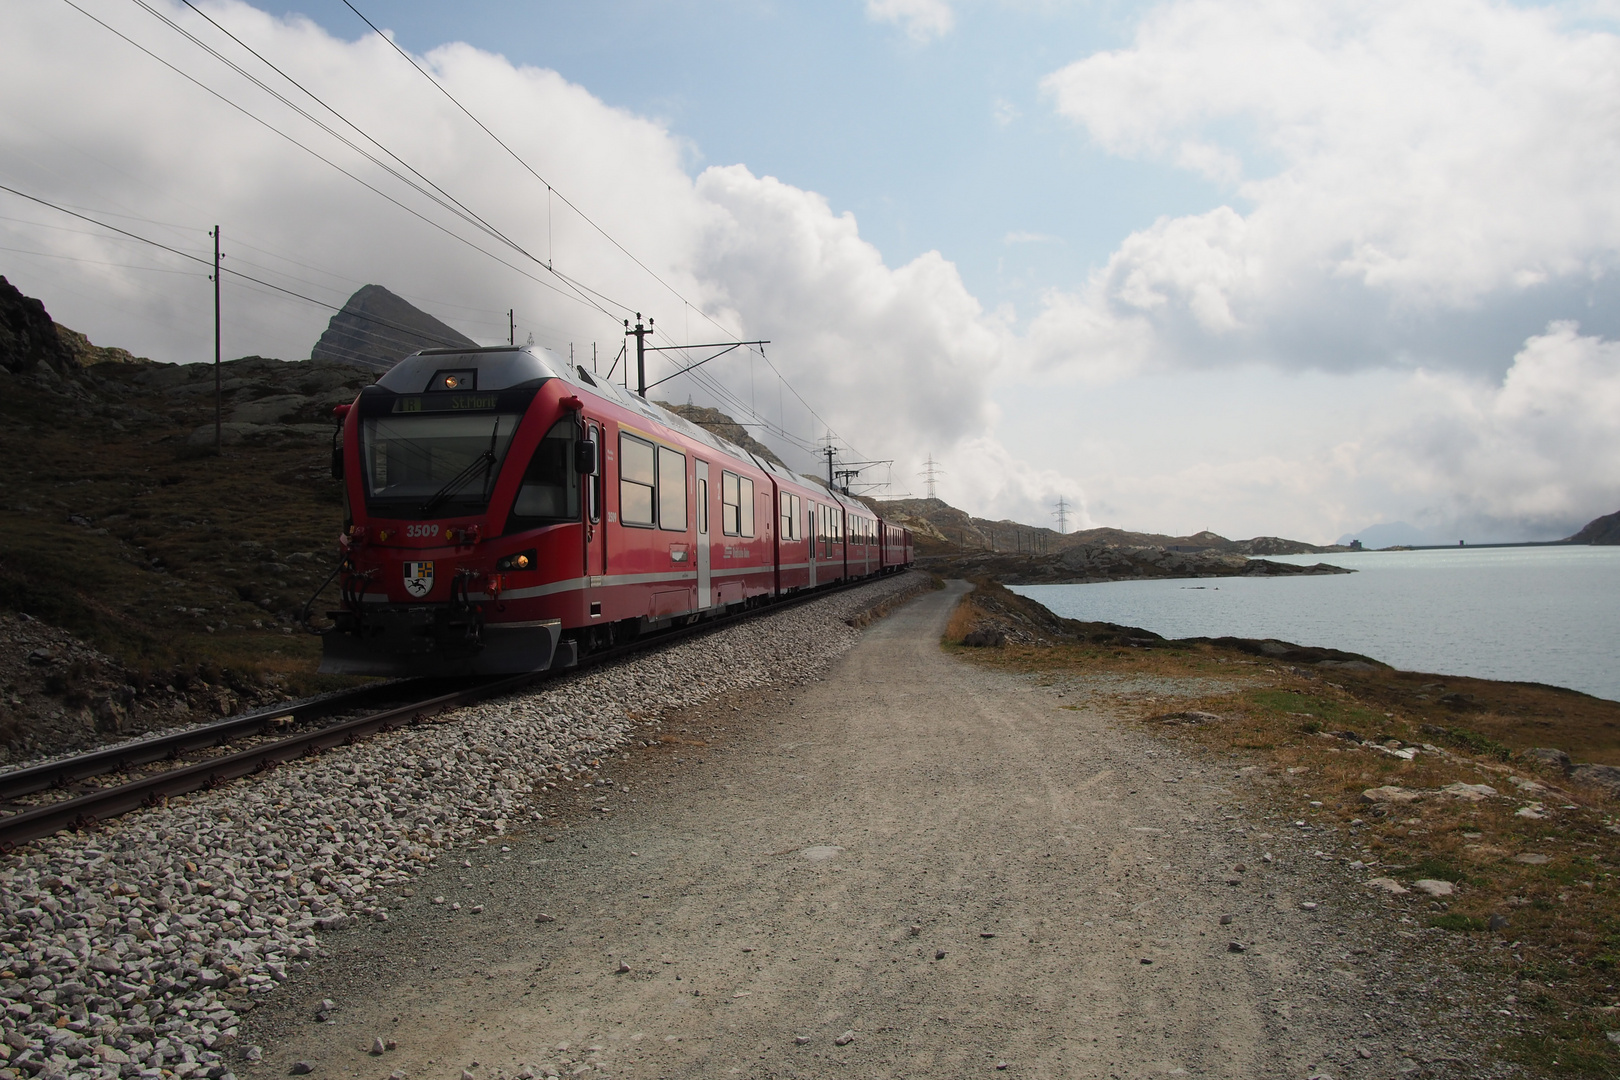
column 1548, row 615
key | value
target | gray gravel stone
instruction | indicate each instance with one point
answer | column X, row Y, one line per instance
column 159, row 929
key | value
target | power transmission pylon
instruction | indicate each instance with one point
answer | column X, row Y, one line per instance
column 930, row 474
column 1062, row 514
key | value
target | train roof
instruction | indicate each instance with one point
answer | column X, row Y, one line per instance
column 501, row 367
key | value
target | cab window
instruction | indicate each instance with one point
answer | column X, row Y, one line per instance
column 550, row 488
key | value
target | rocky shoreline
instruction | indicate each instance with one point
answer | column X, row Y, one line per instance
column 1084, row 564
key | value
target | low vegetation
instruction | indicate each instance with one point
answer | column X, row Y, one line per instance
column 1528, row 855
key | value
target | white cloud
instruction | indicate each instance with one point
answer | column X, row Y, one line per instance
column 1409, row 182
column 923, row 20
column 893, row 358
column 1004, row 112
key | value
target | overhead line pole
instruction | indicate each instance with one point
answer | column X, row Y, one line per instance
column 219, row 407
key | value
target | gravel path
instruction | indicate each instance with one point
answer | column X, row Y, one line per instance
column 134, row 951
column 913, row 867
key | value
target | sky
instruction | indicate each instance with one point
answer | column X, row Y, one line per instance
column 1266, row 268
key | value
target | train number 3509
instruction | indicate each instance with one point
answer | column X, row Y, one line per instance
column 421, row 530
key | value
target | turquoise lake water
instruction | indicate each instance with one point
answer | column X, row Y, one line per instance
column 1548, row 615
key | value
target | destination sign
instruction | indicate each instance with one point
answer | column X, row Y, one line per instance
column 426, row 403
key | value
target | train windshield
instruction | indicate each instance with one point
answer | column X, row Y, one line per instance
column 425, row 464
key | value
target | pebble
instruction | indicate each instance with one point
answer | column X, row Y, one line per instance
column 1234, row 946
column 209, row 903
column 378, row 1046
column 940, row 955
column 300, row 1068
column 1389, row 885
column 1307, row 906
column 845, row 1039
column 801, row 1040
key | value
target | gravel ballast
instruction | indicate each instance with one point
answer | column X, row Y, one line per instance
column 135, row 948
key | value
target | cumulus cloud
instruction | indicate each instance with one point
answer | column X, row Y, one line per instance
column 894, row 359
column 1408, row 183
column 923, row 20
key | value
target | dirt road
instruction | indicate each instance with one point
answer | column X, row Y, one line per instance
column 913, row 868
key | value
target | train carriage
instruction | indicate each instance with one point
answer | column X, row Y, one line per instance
column 508, row 511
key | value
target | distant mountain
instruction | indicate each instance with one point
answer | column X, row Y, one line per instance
column 1603, row 530
column 1391, row 534
column 376, row 328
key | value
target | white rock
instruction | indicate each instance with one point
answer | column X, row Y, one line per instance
column 1389, row 885
column 1433, row 887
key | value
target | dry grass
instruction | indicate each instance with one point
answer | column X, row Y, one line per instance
column 1289, row 723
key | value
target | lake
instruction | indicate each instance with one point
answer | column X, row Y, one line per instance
column 1548, row 615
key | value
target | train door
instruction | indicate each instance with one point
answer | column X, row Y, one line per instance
column 705, row 588
column 810, row 518
column 595, row 530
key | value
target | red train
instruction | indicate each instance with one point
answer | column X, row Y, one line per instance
column 509, row 512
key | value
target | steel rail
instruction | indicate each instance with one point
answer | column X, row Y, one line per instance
column 64, row 771
column 87, row 810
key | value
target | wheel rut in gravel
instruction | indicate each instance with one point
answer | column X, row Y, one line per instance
column 910, row 867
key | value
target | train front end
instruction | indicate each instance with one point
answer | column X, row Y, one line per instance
column 461, row 480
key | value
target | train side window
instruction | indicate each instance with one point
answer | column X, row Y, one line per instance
column 671, row 490
column 730, row 508
column 745, row 506
column 637, row 477
column 790, row 517
column 550, row 488
column 703, row 507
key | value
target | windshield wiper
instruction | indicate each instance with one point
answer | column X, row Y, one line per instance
column 484, row 461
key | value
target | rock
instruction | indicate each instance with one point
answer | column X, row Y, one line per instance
column 1613, row 1036
column 914, row 931
column 1471, row 792
column 1001, row 1065
column 985, row 638
column 41, row 657
column 477, row 909
column 390, row 1045
column 1363, row 1053
column 1390, row 794
column 541, row 918
column 1543, row 755
column 1234, row 946
column 845, row 1039
column 301, row 1067
column 1606, row 777
column 801, row 1040
column 1498, row 922
column 940, row 955
column 466, row 1074
column 1307, row 906
column 622, row 969
column 399, row 1074
column 1534, row 811
column 1190, row 716
column 1389, row 885
column 378, row 1046
column 1433, row 887
column 1226, row 920
column 1532, row 858
column 253, row 1053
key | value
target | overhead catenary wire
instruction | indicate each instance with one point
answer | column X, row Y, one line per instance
column 551, row 190
column 327, row 161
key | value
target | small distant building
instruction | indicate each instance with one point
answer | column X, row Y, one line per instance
column 1355, row 545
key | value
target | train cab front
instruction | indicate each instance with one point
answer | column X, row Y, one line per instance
column 433, row 457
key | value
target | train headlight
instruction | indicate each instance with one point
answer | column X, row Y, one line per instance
column 522, row 560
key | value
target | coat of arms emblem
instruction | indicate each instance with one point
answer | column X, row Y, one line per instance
column 419, row 578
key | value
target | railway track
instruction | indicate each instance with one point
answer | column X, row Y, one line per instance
column 86, row 809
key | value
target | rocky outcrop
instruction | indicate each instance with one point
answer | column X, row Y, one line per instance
column 718, row 423
column 1603, row 530
column 376, row 328
column 28, row 337
column 1084, row 563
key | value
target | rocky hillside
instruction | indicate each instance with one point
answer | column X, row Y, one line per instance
column 1603, row 530
column 940, row 527
column 376, row 328
column 724, row 426
column 179, row 574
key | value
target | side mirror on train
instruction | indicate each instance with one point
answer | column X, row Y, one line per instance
column 585, row 457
